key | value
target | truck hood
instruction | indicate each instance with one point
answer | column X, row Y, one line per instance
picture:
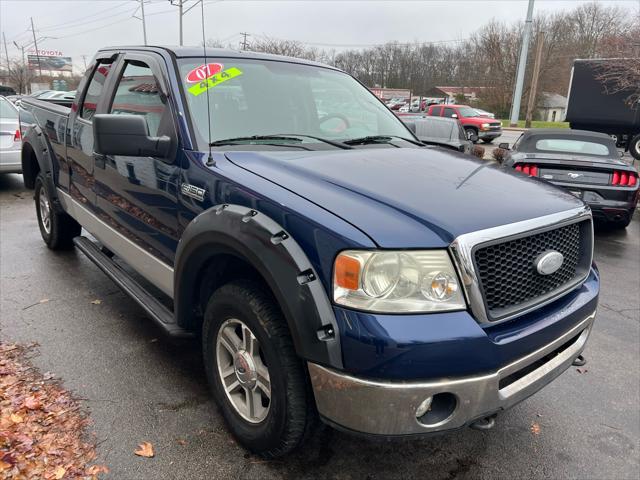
column 408, row 197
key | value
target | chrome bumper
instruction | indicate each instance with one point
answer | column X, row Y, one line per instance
column 384, row 408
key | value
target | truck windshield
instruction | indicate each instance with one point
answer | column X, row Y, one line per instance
column 250, row 98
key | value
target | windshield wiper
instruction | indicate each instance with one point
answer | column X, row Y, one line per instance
column 287, row 137
column 378, row 139
column 320, row 139
column 232, row 141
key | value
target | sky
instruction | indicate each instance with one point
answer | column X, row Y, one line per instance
column 80, row 27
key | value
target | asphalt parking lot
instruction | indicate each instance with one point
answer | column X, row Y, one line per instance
column 139, row 386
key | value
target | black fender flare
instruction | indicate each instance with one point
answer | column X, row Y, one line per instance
column 37, row 141
column 266, row 246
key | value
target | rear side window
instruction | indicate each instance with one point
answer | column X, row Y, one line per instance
column 436, row 111
column 137, row 93
column 94, row 90
column 449, row 112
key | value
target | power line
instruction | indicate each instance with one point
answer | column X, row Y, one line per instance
column 83, row 19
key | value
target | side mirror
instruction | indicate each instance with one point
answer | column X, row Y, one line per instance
column 454, row 115
column 504, row 146
column 127, row 135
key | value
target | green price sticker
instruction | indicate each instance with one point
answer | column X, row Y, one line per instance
column 214, row 81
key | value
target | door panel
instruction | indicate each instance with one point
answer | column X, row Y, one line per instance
column 138, row 195
column 80, row 161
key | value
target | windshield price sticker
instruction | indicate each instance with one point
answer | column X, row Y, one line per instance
column 202, row 72
column 214, row 81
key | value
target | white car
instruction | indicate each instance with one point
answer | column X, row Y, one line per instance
column 10, row 138
column 484, row 113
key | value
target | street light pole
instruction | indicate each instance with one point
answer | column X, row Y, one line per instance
column 180, row 10
column 35, row 42
column 144, row 22
column 522, row 66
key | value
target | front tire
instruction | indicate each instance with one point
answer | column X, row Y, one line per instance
column 256, row 377
column 470, row 132
column 487, row 140
column 57, row 228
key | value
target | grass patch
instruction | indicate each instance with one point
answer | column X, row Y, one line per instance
column 538, row 124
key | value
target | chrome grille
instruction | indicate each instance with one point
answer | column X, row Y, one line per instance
column 507, row 274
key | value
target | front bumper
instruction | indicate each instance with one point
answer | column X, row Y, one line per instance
column 486, row 134
column 389, row 408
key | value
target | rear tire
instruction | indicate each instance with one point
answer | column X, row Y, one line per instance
column 58, row 229
column 487, row 140
column 634, row 147
column 231, row 311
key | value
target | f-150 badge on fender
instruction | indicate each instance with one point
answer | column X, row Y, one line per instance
column 192, row 191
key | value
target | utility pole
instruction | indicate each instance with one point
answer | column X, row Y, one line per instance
column 144, row 25
column 244, row 43
column 6, row 52
column 182, row 12
column 84, row 59
column 534, row 80
column 522, row 66
column 35, row 42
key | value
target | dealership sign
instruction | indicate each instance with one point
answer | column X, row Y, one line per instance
column 50, row 63
column 45, row 53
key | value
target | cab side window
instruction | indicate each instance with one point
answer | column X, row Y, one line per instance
column 94, row 90
column 449, row 112
column 137, row 93
column 436, row 111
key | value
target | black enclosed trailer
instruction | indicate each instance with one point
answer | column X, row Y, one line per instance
column 592, row 106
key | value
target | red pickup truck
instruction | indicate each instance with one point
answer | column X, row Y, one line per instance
column 475, row 126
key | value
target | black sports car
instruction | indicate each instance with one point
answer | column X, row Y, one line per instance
column 585, row 163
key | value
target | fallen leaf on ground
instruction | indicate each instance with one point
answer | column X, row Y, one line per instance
column 97, row 301
column 59, row 472
column 43, row 430
column 535, row 429
column 96, row 469
column 182, row 441
column 145, row 449
column 582, row 370
column 15, row 418
column 32, row 403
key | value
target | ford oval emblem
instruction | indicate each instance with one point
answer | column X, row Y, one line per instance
column 548, row 262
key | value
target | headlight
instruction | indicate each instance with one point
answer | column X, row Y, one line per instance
column 485, row 126
column 397, row 281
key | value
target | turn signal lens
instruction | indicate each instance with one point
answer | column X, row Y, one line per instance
column 17, row 136
column 347, row 272
column 632, row 179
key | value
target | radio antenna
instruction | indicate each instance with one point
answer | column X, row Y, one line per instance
column 210, row 161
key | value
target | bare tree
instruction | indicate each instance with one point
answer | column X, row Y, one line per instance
column 621, row 75
column 20, row 77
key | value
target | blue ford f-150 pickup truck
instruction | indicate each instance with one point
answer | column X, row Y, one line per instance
column 332, row 265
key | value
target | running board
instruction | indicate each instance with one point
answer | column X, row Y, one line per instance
column 160, row 314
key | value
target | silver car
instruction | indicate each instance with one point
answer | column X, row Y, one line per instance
column 10, row 138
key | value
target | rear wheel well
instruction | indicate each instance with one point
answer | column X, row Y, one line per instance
column 30, row 166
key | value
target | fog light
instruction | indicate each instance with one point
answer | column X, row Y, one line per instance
column 424, row 407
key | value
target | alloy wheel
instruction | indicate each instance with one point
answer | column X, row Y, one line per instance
column 242, row 370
